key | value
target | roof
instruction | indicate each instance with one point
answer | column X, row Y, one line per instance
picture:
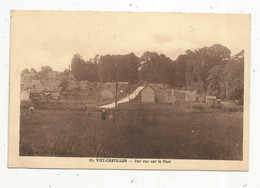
column 123, row 83
column 155, row 87
column 51, row 82
column 148, row 85
column 73, row 82
column 58, row 89
column 211, row 97
column 107, row 89
column 185, row 91
column 84, row 82
column 36, row 82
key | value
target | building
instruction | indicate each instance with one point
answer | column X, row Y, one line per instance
column 164, row 86
column 153, row 93
column 107, row 93
column 84, row 85
column 25, row 95
column 49, row 85
column 170, row 99
column 56, row 93
column 190, row 96
column 202, row 97
column 25, row 85
column 211, row 100
column 160, row 94
column 112, row 85
column 148, row 95
column 37, row 86
column 73, row 85
column 122, row 85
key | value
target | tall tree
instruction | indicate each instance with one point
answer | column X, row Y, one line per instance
column 234, row 76
column 44, row 72
column 215, row 82
column 25, row 71
column 194, row 66
column 77, row 66
column 155, row 68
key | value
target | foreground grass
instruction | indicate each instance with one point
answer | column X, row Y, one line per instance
column 135, row 134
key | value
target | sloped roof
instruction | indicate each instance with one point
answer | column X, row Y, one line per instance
column 103, row 89
column 36, row 82
column 185, row 91
column 58, row 89
column 157, row 88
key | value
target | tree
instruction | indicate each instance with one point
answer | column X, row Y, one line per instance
column 126, row 67
column 215, row 82
column 234, row 76
column 119, row 67
column 46, row 69
column 25, row 71
column 33, row 71
column 66, row 72
column 77, row 66
column 155, row 68
column 44, row 72
column 192, row 69
column 64, row 85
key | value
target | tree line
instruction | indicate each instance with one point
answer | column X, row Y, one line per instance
column 212, row 70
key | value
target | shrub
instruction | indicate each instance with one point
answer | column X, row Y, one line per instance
column 234, row 108
column 199, row 106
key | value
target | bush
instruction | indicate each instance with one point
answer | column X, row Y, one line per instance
column 26, row 104
column 233, row 109
column 199, row 107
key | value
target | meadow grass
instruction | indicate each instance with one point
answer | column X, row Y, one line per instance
column 142, row 133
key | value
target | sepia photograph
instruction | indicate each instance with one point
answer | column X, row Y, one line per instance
column 125, row 90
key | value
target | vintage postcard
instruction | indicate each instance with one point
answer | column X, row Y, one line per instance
column 125, row 90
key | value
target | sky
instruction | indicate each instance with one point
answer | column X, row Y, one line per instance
column 52, row 37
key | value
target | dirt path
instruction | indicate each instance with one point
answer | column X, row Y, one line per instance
column 126, row 99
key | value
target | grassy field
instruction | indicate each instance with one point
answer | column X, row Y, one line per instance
column 143, row 133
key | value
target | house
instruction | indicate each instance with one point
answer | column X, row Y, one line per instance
column 202, row 97
column 110, row 86
column 56, row 93
column 122, row 85
column 48, row 85
column 25, row 85
column 164, row 86
column 90, row 86
column 84, row 85
column 73, row 85
column 190, row 96
column 148, row 95
column 153, row 93
column 210, row 99
column 37, row 86
column 170, row 99
column 25, row 95
column 160, row 94
column 107, row 93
